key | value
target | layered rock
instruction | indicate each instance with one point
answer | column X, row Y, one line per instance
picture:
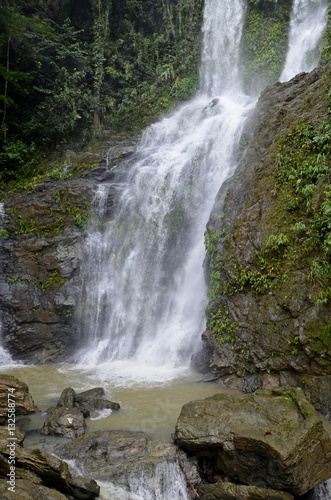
column 41, row 474
column 270, row 439
column 41, row 253
column 18, row 392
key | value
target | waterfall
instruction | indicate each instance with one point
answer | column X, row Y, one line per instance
column 146, row 294
column 5, row 357
column 308, row 21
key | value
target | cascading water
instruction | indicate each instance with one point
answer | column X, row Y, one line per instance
column 147, row 293
column 5, row 357
column 308, row 21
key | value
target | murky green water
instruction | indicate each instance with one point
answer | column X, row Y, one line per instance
column 146, row 405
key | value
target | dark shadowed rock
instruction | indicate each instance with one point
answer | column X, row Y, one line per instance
column 271, row 439
column 67, row 398
column 67, row 422
column 92, row 400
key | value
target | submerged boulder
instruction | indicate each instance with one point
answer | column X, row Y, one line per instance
column 270, row 439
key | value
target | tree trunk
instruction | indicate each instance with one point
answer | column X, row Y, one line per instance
column 3, row 128
column 101, row 33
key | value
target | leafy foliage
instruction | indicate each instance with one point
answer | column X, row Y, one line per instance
column 265, row 40
column 67, row 66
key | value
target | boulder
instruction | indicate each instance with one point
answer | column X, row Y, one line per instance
column 67, row 398
column 93, row 400
column 39, row 467
column 26, row 490
column 270, row 439
column 229, row 491
column 68, row 422
column 67, row 419
column 118, row 455
column 17, row 391
column 18, row 434
column 86, row 401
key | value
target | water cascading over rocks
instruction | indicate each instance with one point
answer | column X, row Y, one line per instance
column 308, row 21
column 145, row 290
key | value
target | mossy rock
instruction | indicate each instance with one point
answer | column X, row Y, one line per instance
column 270, row 439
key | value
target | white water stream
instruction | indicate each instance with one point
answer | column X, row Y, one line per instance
column 146, row 294
column 143, row 307
column 5, row 357
column 308, row 22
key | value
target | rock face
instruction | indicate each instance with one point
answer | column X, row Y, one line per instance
column 271, row 312
column 41, row 252
column 39, row 269
column 270, row 439
column 19, row 393
column 41, row 474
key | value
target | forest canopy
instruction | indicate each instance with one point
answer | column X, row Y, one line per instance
column 70, row 68
column 67, row 66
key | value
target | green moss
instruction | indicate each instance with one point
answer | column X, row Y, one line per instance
column 4, row 234
column 49, row 218
column 54, row 280
column 326, row 42
column 265, row 40
column 247, row 278
column 220, row 326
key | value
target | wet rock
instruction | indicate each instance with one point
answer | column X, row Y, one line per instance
column 27, row 490
column 252, row 384
column 86, row 401
column 229, row 491
column 40, row 269
column 18, row 434
column 92, row 400
column 67, row 422
column 117, row 455
column 277, row 327
column 68, row 417
column 67, row 398
column 270, row 439
column 94, row 404
column 96, row 392
column 19, row 393
column 39, row 467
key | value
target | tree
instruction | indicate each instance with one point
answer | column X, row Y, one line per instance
column 101, row 9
